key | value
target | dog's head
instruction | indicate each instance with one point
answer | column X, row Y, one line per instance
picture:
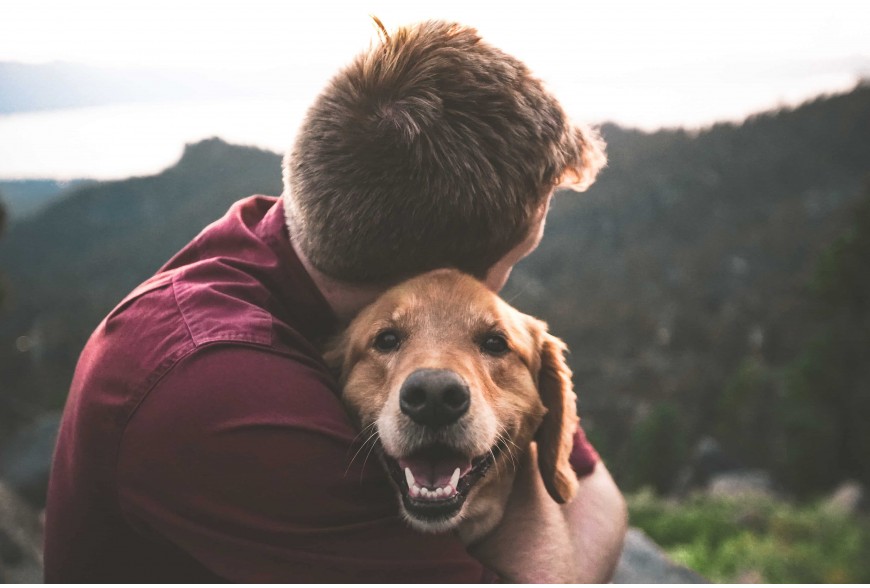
column 453, row 384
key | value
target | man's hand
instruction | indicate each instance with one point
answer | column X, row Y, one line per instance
column 540, row 541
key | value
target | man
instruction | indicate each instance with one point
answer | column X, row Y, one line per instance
column 204, row 438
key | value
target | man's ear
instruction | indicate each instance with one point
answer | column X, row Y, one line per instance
column 555, row 436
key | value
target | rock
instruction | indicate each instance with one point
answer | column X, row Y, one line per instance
column 644, row 562
column 741, row 484
column 20, row 540
column 750, row 577
column 708, row 461
column 713, row 471
column 848, row 498
column 26, row 459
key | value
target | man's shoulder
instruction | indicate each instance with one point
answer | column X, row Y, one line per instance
column 250, row 385
column 222, row 304
column 239, row 280
column 213, row 326
column 169, row 316
column 209, row 301
column 237, row 283
column 172, row 319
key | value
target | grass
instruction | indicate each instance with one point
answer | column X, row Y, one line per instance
column 757, row 538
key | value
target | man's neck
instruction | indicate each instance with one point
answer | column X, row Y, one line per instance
column 345, row 299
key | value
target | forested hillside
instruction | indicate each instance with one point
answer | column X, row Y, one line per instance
column 705, row 284
column 686, row 269
column 23, row 198
column 69, row 265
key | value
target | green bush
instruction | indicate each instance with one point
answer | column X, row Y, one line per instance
column 656, row 449
column 727, row 540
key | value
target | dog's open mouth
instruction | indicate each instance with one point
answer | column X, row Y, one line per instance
column 435, row 481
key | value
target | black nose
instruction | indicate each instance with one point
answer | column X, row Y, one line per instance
column 434, row 398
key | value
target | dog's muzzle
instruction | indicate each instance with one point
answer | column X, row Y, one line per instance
column 436, row 477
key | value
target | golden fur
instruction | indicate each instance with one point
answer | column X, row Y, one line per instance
column 441, row 320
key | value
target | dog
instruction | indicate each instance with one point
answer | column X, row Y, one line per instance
column 452, row 384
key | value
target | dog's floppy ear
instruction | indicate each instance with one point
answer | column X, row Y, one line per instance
column 335, row 355
column 555, row 436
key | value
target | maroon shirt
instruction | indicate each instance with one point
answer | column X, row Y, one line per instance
column 204, row 440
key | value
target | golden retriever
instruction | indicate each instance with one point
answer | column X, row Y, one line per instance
column 451, row 384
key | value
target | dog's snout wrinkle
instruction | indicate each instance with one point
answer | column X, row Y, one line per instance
column 434, row 397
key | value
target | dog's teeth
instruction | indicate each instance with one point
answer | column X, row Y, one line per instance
column 409, row 477
column 454, row 479
column 422, row 492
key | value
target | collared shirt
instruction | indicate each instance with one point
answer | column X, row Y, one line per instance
column 204, row 439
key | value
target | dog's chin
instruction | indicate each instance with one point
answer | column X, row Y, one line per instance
column 434, row 483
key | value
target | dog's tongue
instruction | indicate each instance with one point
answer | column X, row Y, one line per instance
column 434, row 467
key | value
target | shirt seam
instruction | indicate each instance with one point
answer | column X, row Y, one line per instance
column 179, row 294
column 181, row 311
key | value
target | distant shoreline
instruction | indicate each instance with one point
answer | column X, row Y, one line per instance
column 117, row 141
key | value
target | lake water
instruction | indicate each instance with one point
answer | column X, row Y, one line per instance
column 111, row 142
column 135, row 139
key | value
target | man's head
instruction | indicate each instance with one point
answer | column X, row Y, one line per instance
column 431, row 149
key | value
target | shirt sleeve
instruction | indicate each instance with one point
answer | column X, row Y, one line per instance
column 583, row 456
column 245, row 459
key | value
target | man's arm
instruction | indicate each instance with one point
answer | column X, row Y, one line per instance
column 541, row 541
column 244, row 460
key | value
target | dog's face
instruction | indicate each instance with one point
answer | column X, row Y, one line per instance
column 452, row 384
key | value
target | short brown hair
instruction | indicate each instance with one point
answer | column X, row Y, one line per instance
column 431, row 149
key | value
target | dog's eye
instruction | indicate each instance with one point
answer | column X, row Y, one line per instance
column 387, row 341
column 494, row 344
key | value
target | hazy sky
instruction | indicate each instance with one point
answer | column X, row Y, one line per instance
column 606, row 58
column 646, row 64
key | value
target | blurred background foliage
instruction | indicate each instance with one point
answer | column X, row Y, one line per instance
column 757, row 539
column 716, row 284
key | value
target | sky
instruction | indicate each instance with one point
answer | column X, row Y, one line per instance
column 645, row 64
